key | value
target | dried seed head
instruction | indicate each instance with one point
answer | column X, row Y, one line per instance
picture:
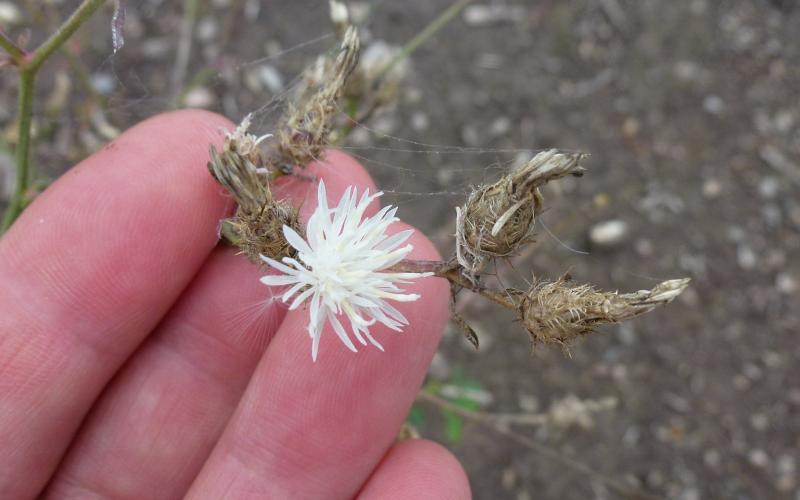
column 498, row 218
column 257, row 227
column 379, row 76
column 304, row 131
column 261, row 233
column 558, row 313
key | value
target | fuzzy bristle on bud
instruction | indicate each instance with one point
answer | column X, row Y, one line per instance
column 498, row 218
column 304, row 131
column 257, row 226
column 555, row 312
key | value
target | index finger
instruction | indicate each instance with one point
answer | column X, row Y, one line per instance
column 87, row 271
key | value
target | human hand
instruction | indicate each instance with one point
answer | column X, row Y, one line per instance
column 140, row 360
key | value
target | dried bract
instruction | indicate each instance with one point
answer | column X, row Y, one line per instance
column 555, row 312
column 257, row 227
column 498, row 218
column 304, row 131
column 379, row 77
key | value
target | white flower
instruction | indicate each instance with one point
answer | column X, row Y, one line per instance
column 339, row 269
column 241, row 140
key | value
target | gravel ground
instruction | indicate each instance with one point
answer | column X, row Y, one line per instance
column 690, row 112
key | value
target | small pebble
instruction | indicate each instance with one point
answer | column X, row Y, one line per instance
column 270, row 77
column 155, row 48
column 786, row 284
column 644, row 247
column 199, row 97
column 713, row 104
column 711, row 189
column 103, row 83
column 420, row 121
column 508, row 479
column 753, row 371
column 207, row 29
column 483, row 15
column 528, row 403
column 771, row 214
column 759, row 421
column 631, row 126
column 746, row 257
column 608, row 233
column 470, row 135
column 690, row 494
column 758, row 457
column 712, row 458
column 500, row 126
column 9, row 13
column 768, row 187
column 601, row 200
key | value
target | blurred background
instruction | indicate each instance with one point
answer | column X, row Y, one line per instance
column 689, row 110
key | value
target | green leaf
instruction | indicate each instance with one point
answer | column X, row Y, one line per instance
column 416, row 417
column 453, row 426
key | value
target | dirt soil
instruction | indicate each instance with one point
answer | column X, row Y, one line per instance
column 690, row 112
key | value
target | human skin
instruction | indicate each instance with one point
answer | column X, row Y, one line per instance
column 141, row 359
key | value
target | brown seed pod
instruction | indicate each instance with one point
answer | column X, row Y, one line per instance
column 555, row 312
column 499, row 218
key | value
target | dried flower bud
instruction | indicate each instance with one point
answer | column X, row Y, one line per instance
column 257, row 227
column 380, row 75
column 558, row 313
column 304, row 131
column 498, row 218
column 242, row 143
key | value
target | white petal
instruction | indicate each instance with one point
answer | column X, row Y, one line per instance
column 277, row 265
column 278, row 279
column 322, row 197
column 395, row 240
column 300, row 298
column 339, row 329
column 288, row 293
column 314, row 346
column 295, row 240
column 373, row 341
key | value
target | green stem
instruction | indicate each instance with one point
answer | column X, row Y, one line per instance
column 17, row 54
column 423, row 36
column 66, row 30
column 28, row 67
column 25, row 112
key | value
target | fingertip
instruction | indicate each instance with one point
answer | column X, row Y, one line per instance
column 418, row 468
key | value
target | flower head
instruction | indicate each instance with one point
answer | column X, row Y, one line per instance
column 243, row 143
column 342, row 269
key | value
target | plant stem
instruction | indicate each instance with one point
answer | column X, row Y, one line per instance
column 423, row 36
column 17, row 54
column 24, row 112
column 190, row 8
column 66, row 30
column 453, row 273
column 28, row 67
